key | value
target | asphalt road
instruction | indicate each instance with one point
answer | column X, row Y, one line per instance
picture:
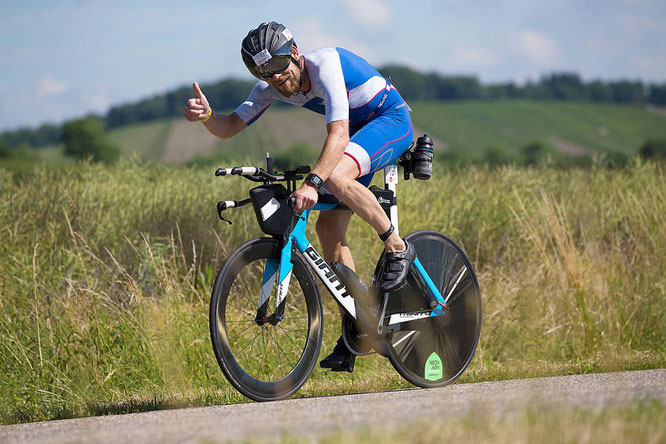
column 323, row 415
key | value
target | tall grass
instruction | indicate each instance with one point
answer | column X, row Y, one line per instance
column 105, row 274
column 636, row 423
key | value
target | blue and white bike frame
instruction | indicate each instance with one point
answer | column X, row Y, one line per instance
column 282, row 270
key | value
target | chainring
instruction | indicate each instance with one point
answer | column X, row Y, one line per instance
column 357, row 343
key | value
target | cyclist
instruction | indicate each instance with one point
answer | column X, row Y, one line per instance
column 368, row 127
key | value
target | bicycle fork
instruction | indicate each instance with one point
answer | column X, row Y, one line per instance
column 282, row 270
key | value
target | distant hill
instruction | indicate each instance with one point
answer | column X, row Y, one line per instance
column 572, row 128
column 413, row 85
column 467, row 127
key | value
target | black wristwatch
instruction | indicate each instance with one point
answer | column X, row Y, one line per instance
column 315, row 180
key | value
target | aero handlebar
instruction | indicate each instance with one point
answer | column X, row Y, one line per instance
column 256, row 174
column 252, row 173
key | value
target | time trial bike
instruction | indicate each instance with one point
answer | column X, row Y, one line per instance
column 266, row 320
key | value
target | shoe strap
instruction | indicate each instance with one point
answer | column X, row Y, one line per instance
column 393, row 256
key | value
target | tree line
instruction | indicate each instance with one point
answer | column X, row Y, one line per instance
column 415, row 85
column 412, row 84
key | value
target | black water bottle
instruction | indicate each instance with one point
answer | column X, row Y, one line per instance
column 422, row 158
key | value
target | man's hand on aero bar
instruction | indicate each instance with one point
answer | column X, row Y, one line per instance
column 306, row 197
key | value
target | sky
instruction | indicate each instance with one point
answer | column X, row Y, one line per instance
column 64, row 59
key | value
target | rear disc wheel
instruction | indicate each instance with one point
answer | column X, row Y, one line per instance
column 435, row 351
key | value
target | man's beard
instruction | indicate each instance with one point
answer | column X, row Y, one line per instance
column 291, row 87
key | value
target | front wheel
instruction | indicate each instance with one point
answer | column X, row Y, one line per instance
column 435, row 351
column 268, row 360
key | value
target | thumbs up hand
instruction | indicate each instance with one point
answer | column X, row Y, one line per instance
column 197, row 108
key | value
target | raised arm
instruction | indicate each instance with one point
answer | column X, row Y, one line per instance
column 223, row 126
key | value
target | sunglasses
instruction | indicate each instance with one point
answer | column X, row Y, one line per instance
column 276, row 65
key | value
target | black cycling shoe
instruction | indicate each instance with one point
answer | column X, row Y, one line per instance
column 341, row 360
column 396, row 267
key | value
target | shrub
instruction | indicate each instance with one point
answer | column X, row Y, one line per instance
column 539, row 153
column 86, row 138
column 653, row 149
column 498, row 155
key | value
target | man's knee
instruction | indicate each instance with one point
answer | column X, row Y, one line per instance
column 337, row 184
column 342, row 177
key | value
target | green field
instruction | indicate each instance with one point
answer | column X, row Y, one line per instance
column 105, row 276
column 473, row 127
column 147, row 140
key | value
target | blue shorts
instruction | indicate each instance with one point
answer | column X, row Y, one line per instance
column 381, row 141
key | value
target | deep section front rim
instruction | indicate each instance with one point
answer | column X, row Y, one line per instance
column 273, row 360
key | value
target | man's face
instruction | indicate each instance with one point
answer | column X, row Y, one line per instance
column 287, row 82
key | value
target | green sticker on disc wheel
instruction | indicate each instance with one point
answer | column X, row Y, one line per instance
column 433, row 367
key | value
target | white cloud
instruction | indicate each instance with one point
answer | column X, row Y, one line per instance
column 470, row 58
column 98, row 99
column 50, row 86
column 373, row 14
column 310, row 34
column 538, row 48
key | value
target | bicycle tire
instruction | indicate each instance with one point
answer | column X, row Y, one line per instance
column 447, row 342
column 278, row 374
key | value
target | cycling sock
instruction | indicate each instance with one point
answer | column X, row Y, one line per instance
column 386, row 235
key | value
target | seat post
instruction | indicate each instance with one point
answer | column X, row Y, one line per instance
column 390, row 183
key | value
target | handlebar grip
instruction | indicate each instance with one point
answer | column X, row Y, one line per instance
column 237, row 171
column 291, row 202
column 252, row 173
column 230, row 203
column 245, row 171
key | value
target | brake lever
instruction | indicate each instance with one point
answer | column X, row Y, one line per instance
column 221, row 206
column 291, row 203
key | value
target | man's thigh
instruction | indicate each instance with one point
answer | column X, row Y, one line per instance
column 380, row 143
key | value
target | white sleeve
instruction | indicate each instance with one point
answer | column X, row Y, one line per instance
column 257, row 102
column 332, row 84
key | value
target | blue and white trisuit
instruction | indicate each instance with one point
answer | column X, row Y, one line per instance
column 345, row 86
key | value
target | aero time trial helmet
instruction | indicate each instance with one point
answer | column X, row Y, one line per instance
column 266, row 50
